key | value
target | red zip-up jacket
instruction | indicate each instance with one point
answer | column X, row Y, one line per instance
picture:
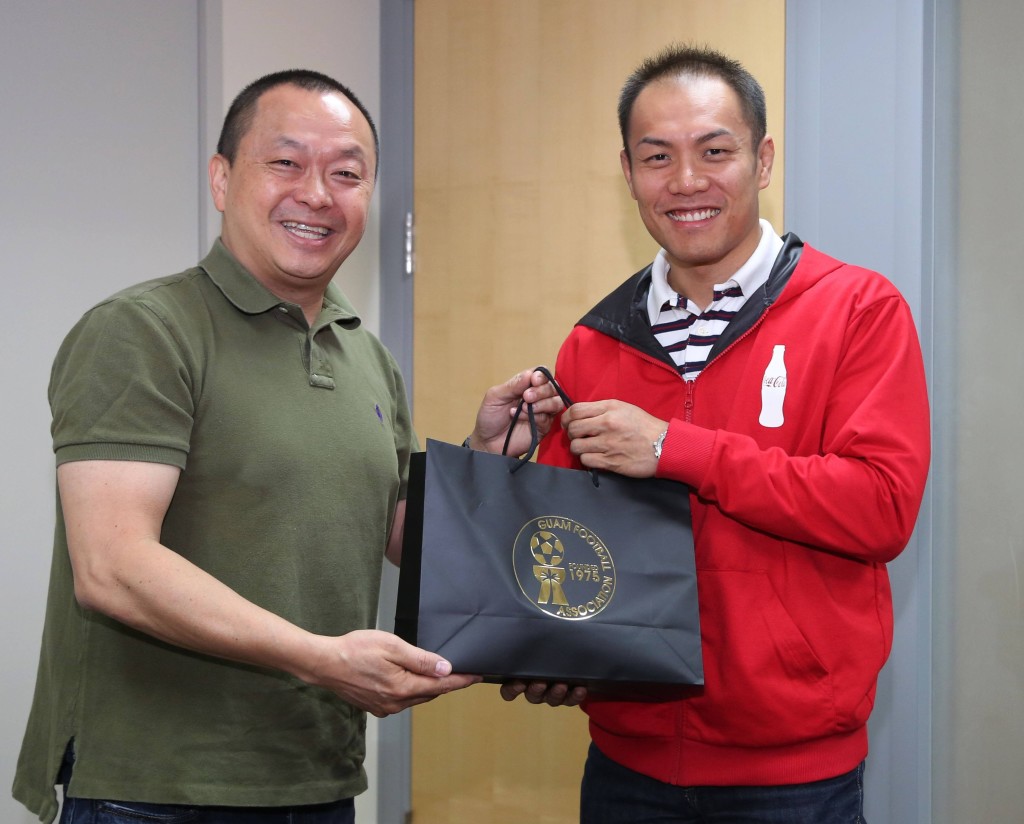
column 792, row 525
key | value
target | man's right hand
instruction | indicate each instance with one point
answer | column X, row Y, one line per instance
column 382, row 674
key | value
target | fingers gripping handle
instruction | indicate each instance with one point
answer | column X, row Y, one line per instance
column 534, row 435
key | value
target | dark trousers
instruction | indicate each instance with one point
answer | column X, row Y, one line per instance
column 613, row 794
column 92, row 811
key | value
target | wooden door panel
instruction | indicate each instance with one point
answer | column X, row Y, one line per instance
column 523, row 222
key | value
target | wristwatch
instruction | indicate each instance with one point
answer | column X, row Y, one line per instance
column 658, row 444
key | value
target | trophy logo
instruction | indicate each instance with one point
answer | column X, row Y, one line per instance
column 563, row 568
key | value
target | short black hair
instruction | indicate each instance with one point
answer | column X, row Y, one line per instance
column 696, row 61
column 239, row 118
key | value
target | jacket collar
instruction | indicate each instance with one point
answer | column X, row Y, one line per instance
column 623, row 313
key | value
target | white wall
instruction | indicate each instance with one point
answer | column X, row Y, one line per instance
column 110, row 110
column 99, row 191
column 340, row 38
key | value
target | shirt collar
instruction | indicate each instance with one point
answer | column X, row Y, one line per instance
column 250, row 296
column 749, row 277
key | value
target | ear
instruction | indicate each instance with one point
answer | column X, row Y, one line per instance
column 627, row 171
column 220, row 171
column 765, row 160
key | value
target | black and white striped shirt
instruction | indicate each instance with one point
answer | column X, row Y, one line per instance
column 686, row 332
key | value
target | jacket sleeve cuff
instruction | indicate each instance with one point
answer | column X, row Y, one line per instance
column 686, row 454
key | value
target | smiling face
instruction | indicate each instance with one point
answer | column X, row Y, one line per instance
column 695, row 176
column 296, row 198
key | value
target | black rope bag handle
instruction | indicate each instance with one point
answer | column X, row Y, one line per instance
column 534, row 436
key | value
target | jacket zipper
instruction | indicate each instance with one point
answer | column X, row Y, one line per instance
column 691, row 388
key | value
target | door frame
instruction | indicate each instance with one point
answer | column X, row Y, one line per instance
column 395, row 187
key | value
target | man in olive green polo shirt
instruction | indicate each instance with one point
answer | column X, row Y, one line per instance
column 232, row 453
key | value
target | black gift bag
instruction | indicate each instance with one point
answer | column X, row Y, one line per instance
column 512, row 569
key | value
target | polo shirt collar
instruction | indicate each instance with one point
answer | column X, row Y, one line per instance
column 751, row 275
column 250, row 296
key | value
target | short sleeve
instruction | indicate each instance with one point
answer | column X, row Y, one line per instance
column 121, row 388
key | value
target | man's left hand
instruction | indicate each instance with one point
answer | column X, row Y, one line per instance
column 498, row 405
column 541, row 692
column 615, row 436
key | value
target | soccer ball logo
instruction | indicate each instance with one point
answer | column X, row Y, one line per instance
column 547, row 548
column 563, row 568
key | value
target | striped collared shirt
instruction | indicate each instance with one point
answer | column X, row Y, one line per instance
column 687, row 333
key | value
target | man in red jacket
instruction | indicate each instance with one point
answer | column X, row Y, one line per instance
column 787, row 390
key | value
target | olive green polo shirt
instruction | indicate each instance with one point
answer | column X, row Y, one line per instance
column 294, row 444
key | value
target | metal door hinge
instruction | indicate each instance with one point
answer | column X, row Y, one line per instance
column 410, row 250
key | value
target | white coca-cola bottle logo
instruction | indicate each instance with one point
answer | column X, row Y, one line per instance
column 773, row 389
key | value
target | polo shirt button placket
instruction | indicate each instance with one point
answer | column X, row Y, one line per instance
column 320, row 372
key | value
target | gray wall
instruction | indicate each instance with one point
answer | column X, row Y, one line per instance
column 859, row 172
column 982, row 730
column 905, row 128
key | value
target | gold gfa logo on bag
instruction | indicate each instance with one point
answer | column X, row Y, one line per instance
column 563, row 568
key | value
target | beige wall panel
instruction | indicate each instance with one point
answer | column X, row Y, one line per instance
column 984, row 729
column 523, row 222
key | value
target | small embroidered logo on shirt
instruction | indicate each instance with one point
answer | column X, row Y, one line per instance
column 380, row 415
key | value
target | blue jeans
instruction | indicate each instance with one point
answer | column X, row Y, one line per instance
column 95, row 811
column 613, row 794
